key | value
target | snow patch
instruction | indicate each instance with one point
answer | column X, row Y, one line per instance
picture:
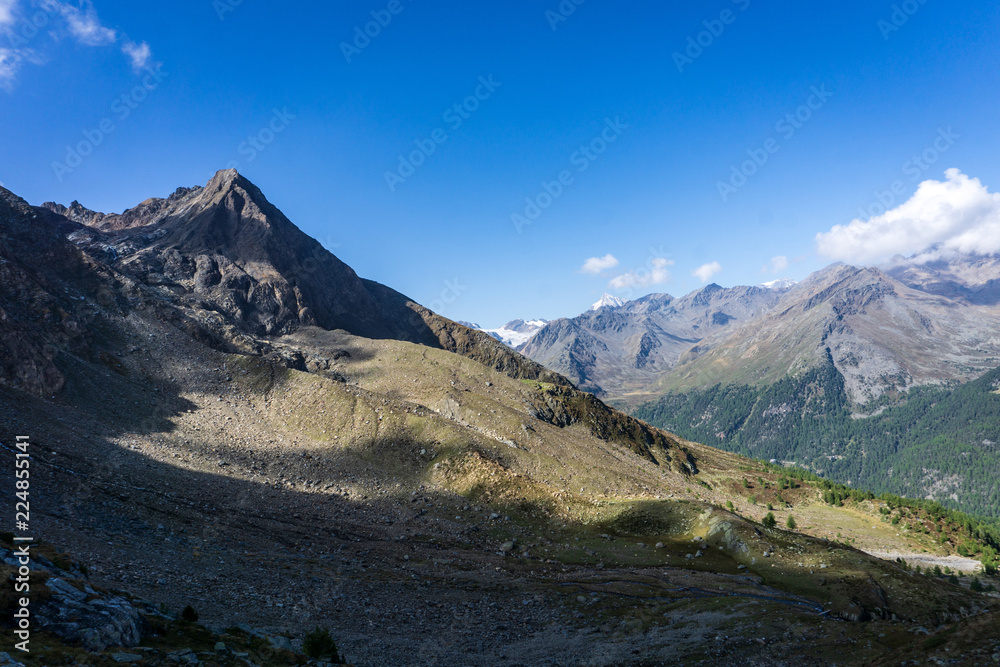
column 779, row 284
column 516, row 332
column 609, row 301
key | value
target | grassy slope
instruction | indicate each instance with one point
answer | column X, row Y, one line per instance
column 550, row 476
column 414, row 420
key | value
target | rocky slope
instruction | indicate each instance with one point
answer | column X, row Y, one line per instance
column 87, row 625
column 438, row 500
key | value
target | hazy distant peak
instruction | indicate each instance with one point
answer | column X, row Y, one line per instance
column 516, row 332
column 609, row 301
column 524, row 325
column 779, row 284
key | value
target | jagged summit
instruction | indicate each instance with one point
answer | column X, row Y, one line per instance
column 225, row 242
column 224, row 177
column 139, row 215
column 229, row 255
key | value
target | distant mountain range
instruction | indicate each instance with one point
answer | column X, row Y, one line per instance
column 973, row 279
column 884, row 330
column 625, row 348
column 888, row 329
column 518, row 332
column 881, row 378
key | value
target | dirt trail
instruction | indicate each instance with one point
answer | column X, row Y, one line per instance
column 967, row 565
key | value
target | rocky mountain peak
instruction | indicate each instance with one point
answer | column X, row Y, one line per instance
column 706, row 294
column 226, row 246
column 244, row 273
column 228, row 182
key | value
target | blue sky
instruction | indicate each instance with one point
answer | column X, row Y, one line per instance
column 597, row 97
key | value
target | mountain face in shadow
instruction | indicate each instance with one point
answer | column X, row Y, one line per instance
column 239, row 267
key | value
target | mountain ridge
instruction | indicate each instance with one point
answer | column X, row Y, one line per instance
column 239, row 265
column 883, row 325
column 884, row 335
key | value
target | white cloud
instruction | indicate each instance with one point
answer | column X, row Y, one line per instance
column 10, row 59
column 706, row 272
column 656, row 275
column 139, row 54
column 777, row 265
column 79, row 19
column 82, row 22
column 7, row 13
column 941, row 219
column 10, row 63
column 597, row 265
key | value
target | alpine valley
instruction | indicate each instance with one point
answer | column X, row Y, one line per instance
column 242, row 452
column 881, row 378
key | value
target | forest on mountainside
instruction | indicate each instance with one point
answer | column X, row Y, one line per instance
column 940, row 443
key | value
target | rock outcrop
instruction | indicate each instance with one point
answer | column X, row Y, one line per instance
column 70, row 608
